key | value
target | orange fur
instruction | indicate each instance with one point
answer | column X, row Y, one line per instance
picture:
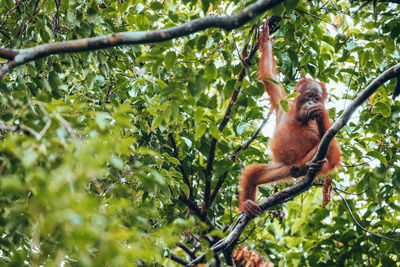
column 295, row 141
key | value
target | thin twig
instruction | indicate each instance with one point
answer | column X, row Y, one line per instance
column 314, row 16
column 45, row 128
column 358, row 224
column 8, row 127
column 9, row 13
column 252, row 138
column 222, row 178
column 195, row 210
column 105, row 101
column 352, row 194
column 356, row 164
column 22, row 29
column 244, row 239
column 65, row 124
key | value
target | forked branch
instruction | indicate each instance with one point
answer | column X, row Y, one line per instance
column 21, row 56
column 290, row 192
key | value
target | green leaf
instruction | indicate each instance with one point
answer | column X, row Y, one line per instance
column 156, row 122
column 379, row 156
column 139, row 8
column 290, row 4
column 54, row 80
column 205, row 4
column 228, row 89
column 101, row 120
column 241, row 128
column 284, row 104
column 278, row 10
column 84, row 30
column 271, row 80
column 364, row 58
column 161, row 83
column 185, row 189
column 384, row 109
column 201, row 130
column 197, row 87
column 198, row 115
column 174, row 160
column 117, row 162
column 156, row 6
column 210, row 73
column 293, row 95
column 170, row 59
column 29, row 157
column 90, row 78
column 378, row 55
column 265, row 191
column 215, row 132
column 201, row 42
column 187, row 141
column 174, row 111
column 93, row 17
column 45, row 84
column 329, row 40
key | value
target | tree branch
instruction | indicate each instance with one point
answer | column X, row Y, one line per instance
column 195, row 209
column 8, row 53
column 89, row 44
column 184, row 175
column 190, row 252
column 234, row 157
column 8, row 127
column 179, row 259
column 252, row 138
column 290, row 192
column 224, row 122
column 273, row 21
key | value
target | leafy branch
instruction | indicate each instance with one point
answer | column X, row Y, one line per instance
column 18, row 57
column 359, row 224
column 290, row 192
column 208, row 196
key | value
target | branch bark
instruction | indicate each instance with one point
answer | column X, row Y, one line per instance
column 184, row 175
column 179, row 259
column 290, row 192
column 190, row 252
column 227, row 23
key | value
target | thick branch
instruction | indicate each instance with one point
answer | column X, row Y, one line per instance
column 290, row 192
column 7, row 53
column 89, row 44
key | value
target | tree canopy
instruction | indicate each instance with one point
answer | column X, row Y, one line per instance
column 125, row 125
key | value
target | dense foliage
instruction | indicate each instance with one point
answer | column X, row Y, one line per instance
column 104, row 155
